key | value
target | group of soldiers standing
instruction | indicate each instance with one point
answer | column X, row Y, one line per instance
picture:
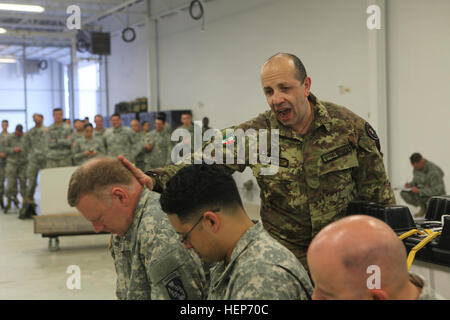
column 22, row 155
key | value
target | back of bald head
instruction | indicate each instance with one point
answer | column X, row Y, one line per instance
column 360, row 241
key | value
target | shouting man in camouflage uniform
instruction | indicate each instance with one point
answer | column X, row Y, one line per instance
column 428, row 181
column 328, row 156
column 150, row 261
column 16, row 167
column 204, row 207
column 60, row 142
column 36, row 146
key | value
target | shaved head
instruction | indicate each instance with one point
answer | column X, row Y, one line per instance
column 340, row 255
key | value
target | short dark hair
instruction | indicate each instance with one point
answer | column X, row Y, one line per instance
column 163, row 115
column 115, row 115
column 299, row 66
column 5, row 121
column 57, row 109
column 144, row 122
column 163, row 119
column 415, row 157
column 88, row 125
column 188, row 112
column 199, row 187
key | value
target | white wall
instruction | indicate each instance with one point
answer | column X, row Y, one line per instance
column 419, row 78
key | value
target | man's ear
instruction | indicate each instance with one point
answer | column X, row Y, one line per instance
column 307, row 83
column 378, row 294
column 212, row 221
column 120, row 194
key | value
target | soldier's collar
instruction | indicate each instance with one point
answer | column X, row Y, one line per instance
column 321, row 118
column 137, row 215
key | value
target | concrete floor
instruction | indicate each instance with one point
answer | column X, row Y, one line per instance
column 28, row 270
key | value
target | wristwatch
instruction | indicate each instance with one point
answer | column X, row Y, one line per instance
column 157, row 187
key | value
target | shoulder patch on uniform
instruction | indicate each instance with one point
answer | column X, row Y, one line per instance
column 371, row 132
column 176, row 290
column 336, row 153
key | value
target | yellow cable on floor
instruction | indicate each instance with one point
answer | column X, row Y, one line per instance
column 420, row 245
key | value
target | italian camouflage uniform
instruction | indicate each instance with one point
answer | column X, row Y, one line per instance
column 99, row 133
column 59, row 146
column 151, row 262
column 159, row 156
column 119, row 142
column 260, row 268
column 36, row 147
column 16, row 167
column 82, row 145
column 3, row 145
column 430, row 182
column 426, row 292
column 139, row 147
column 317, row 174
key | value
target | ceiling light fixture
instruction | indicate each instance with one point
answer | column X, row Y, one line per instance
column 2, row 30
column 21, row 7
column 7, row 60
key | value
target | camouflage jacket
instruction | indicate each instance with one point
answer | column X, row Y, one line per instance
column 429, row 180
column 119, row 141
column 36, row 143
column 150, row 261
column 260, row 268
column 160, row 154
column 82, row 145
column 16, row 157
column 60, row 141
column 426, row 293
column 99, row 133
column 317, row 174
column 3, row 147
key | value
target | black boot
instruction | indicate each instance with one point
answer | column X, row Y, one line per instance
column 8, row 206
column 2, row 204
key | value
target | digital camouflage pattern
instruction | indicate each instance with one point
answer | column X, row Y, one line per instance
column 151, row 262
column 159, row 156
column 3, row 146
column 260, row 269
column 59, row 145
column 427, row 293
column 82, row 145
column 16, row 166
column 99, row 133
column 429, row 180
column 319, row 173
column 119, row 142
column 36, row 147
column 139, row 147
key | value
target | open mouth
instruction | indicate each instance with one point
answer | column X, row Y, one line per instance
column 284, row 114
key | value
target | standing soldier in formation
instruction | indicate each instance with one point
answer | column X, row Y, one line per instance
column 119, row 139
column 60, row 142
column 145, row 127
column 88, row 147
column 99, row 129
column 79, row 130
column 161, row 147
column 167, row 126
column 3, row 155
column 138, row 141
column 36, row 147
column 16, row 166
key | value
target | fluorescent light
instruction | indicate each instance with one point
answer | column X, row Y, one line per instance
column 2, row 30
column 21, row 7
column 7, row 60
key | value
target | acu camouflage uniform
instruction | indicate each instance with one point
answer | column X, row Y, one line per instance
column 83, row 145
column 59, row 146
column 430, row 182
column 337, row 161
column 16, row 167
column 150, row 261
column 260, row 268
column 159, row 156
column 3, row 145
column 119, row 141
column 139, row 147
column 36, row 147
column 99, row 133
